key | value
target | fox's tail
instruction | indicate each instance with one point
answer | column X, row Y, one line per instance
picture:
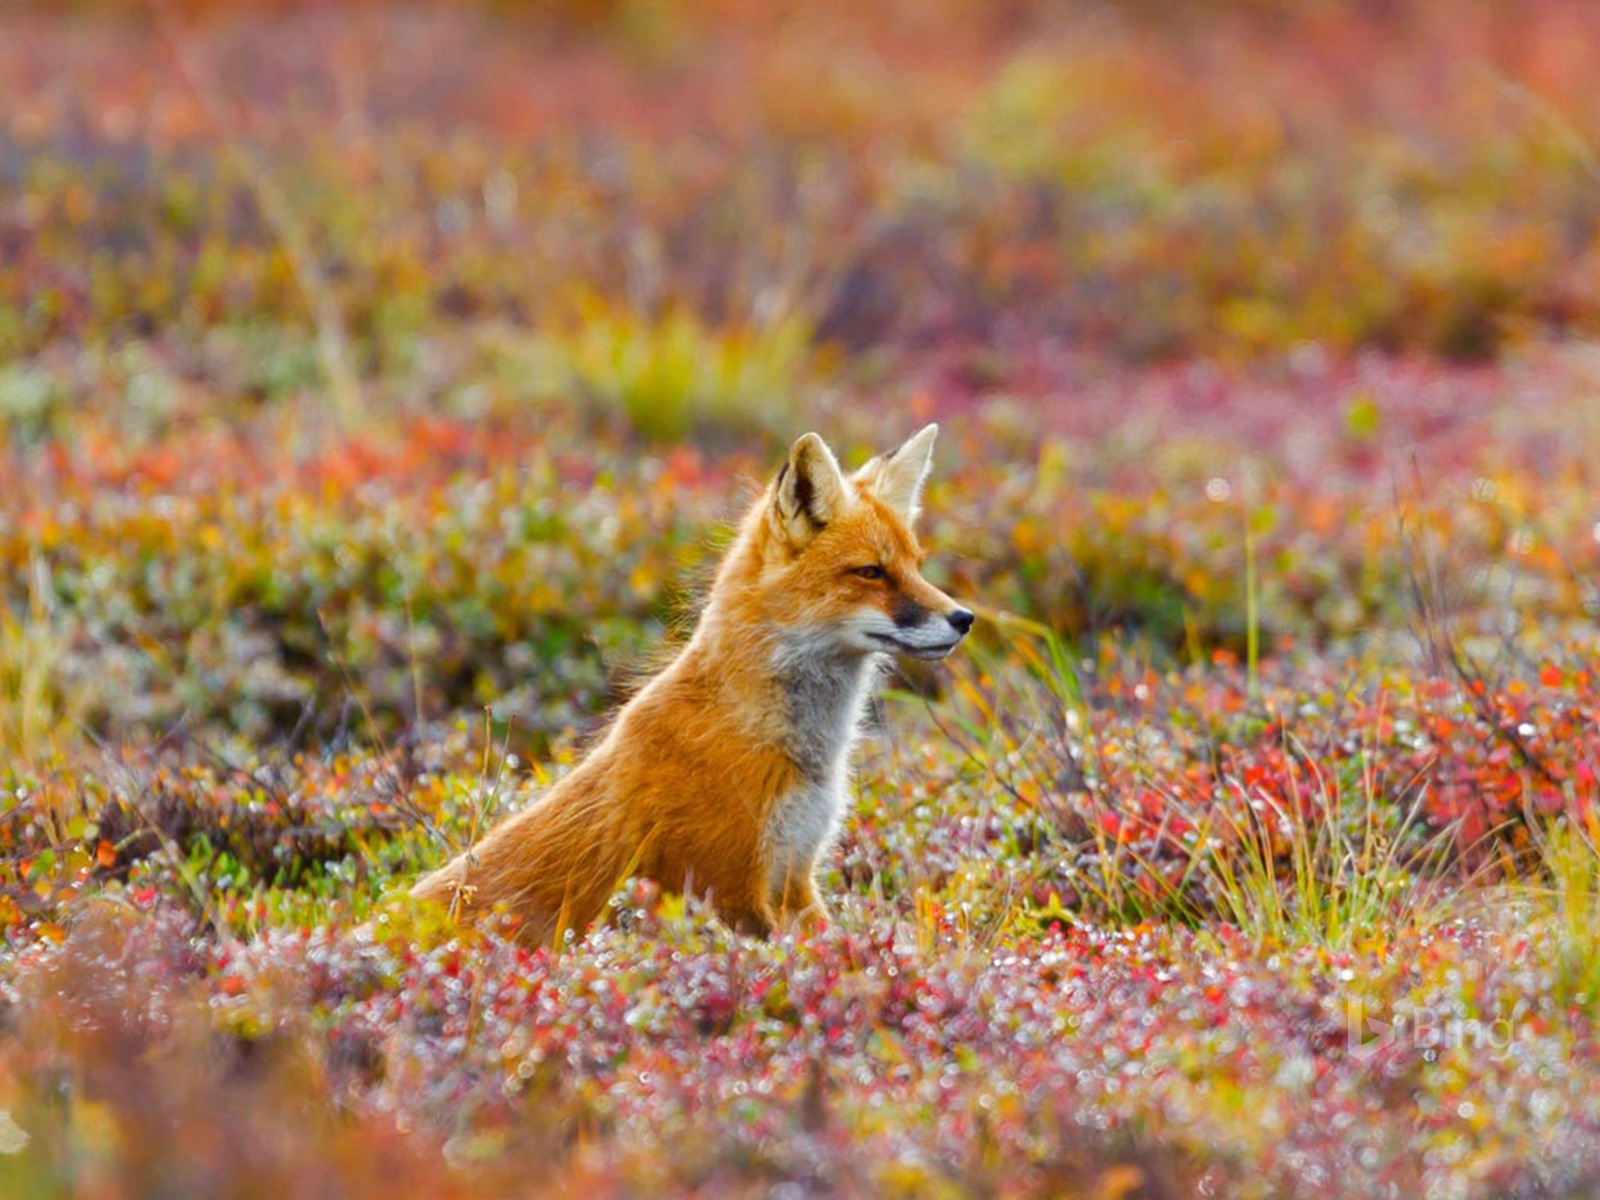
column 549, row 868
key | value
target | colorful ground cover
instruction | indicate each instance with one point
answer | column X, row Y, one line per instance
column 378, row 384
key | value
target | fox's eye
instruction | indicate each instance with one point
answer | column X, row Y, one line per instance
column 872, row 572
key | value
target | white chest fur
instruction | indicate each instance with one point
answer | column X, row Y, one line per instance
column 825, row 695
column 802, row 825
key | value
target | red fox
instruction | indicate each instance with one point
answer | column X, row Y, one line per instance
column 726, row 775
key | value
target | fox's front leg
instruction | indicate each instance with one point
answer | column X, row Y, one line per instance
column 800, row 902
column 795, row 900
column 756, row 919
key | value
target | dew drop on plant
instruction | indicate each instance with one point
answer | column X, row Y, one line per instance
column 1542, row 1105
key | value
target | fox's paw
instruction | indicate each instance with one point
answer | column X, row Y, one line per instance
column 752, row 922
column 810, row 920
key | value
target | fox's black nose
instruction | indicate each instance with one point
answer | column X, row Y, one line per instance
column 961, row 619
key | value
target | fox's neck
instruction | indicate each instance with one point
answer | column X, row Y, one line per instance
column 824, row 693
column 783, row 684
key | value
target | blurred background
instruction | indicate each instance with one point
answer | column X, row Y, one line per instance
column 339, row 337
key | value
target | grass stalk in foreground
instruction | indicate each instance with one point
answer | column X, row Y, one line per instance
column 1330, row 865
column 35, row 706
column 1334, row 858
column 1558, row 905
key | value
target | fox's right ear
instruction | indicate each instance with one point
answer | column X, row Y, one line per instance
column 808, row 493
column 897, row 477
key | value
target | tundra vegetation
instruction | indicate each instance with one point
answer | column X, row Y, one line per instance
column 378, row 383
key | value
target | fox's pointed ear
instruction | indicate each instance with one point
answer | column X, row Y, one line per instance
column 896, row 478
column 809, row 491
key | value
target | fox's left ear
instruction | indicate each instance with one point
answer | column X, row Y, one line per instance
column 809, row 492
column 896, row 478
